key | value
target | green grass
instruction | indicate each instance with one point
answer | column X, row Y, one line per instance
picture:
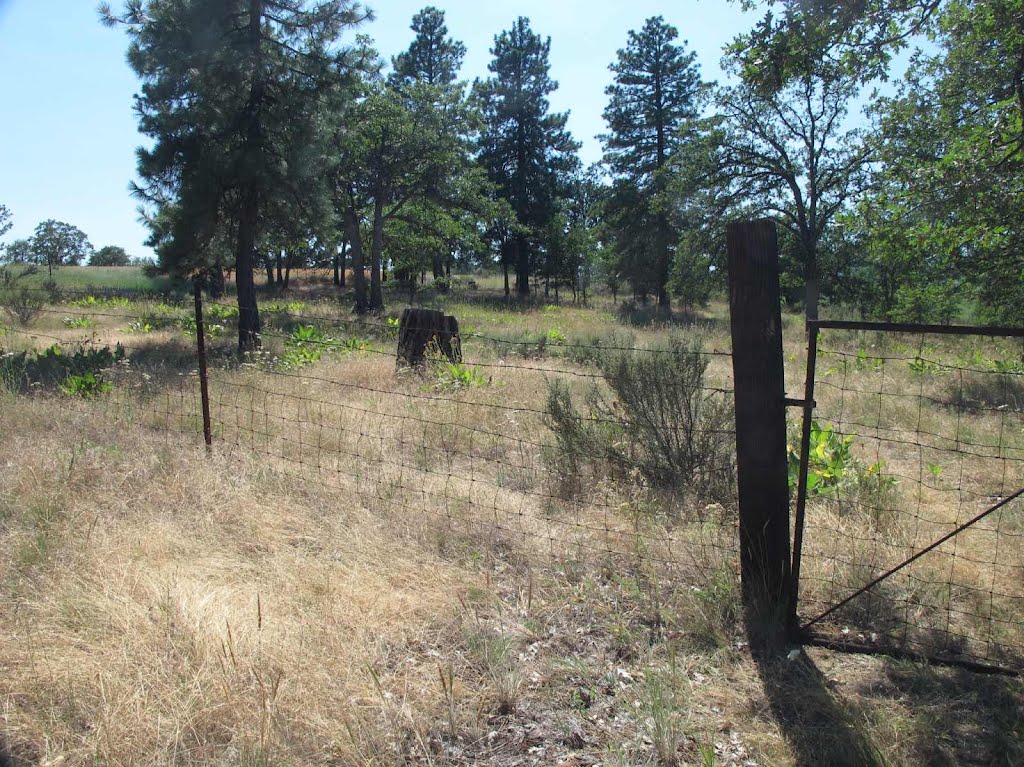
column 128, row 278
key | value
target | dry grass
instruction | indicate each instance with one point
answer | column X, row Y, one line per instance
column 363, row 573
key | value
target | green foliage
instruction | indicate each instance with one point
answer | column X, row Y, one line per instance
column 660, row 421
column 52, row 367
column 220, row 312
column 86, row 385
column 79, row 322
column 433, row 57
column 451, row 375
column 306, row 344
column 95, row 302
column 110, row 255
column 834, row 473
column 56, row 243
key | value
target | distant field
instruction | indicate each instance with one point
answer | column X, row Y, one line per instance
column 108, row 277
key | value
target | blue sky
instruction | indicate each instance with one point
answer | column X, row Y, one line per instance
column 68, row 134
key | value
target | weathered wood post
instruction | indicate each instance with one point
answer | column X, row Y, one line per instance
column 204, row 386
column 418, row 327
column 760, row 423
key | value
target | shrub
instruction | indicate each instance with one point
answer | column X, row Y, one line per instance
column 86, row 385
column 53, row 367
column 660, row 421
column 24, row 304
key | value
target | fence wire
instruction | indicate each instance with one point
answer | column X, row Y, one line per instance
column 914, row 436
column 467, row 455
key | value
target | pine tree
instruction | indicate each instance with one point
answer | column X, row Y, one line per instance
column 433, row 57
column 526, row 150
column 657, row 88
column 231, row 91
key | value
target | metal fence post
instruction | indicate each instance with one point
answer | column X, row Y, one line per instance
column 762, row 471
column 204, row 386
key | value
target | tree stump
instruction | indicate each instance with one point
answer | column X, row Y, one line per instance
column 419, row 327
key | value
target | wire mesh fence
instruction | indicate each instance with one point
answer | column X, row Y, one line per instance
column 619, row 450
column 468, row 451
column 912, row 539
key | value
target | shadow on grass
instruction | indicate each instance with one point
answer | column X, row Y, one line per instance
column 819, row 729
column 960, row 717
column 890, row 711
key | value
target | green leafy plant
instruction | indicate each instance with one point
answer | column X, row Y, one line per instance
column 865, row 361
column 456, row 375
column 924, row 367
column 555, row 337
column 140, row 326
column 834, row 473
column 79, row 322
column 284, row 307
column 221, row 312
column 828, row 460
column 52, row 367
column 306, row 345
column 85, row 385
column 451, row 375
column 91, row 301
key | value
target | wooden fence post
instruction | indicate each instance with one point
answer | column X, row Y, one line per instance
column 760, row 422
column 204, row 386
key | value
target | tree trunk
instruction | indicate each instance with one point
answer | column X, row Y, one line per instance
column 215, row 284
column 438, row 267
column 376, row 255
column 358, row 272
column 248, row 311
column 280, row 277
column 341, row 260
column 337, row 279
column 269, row 264
column 419, row 327
column 248, row 218
column 522, row 267
column 504, row 266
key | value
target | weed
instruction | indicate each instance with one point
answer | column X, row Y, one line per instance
column 664, row 703
column 85, row 385
column 79, row 322
column 307, row 343
column 91, row 301
column 140, row 326
column 52, row 366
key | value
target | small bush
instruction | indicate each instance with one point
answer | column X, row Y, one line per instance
column 660, row 421
column 24, row 304
column 52, row 367
column 86, row 385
